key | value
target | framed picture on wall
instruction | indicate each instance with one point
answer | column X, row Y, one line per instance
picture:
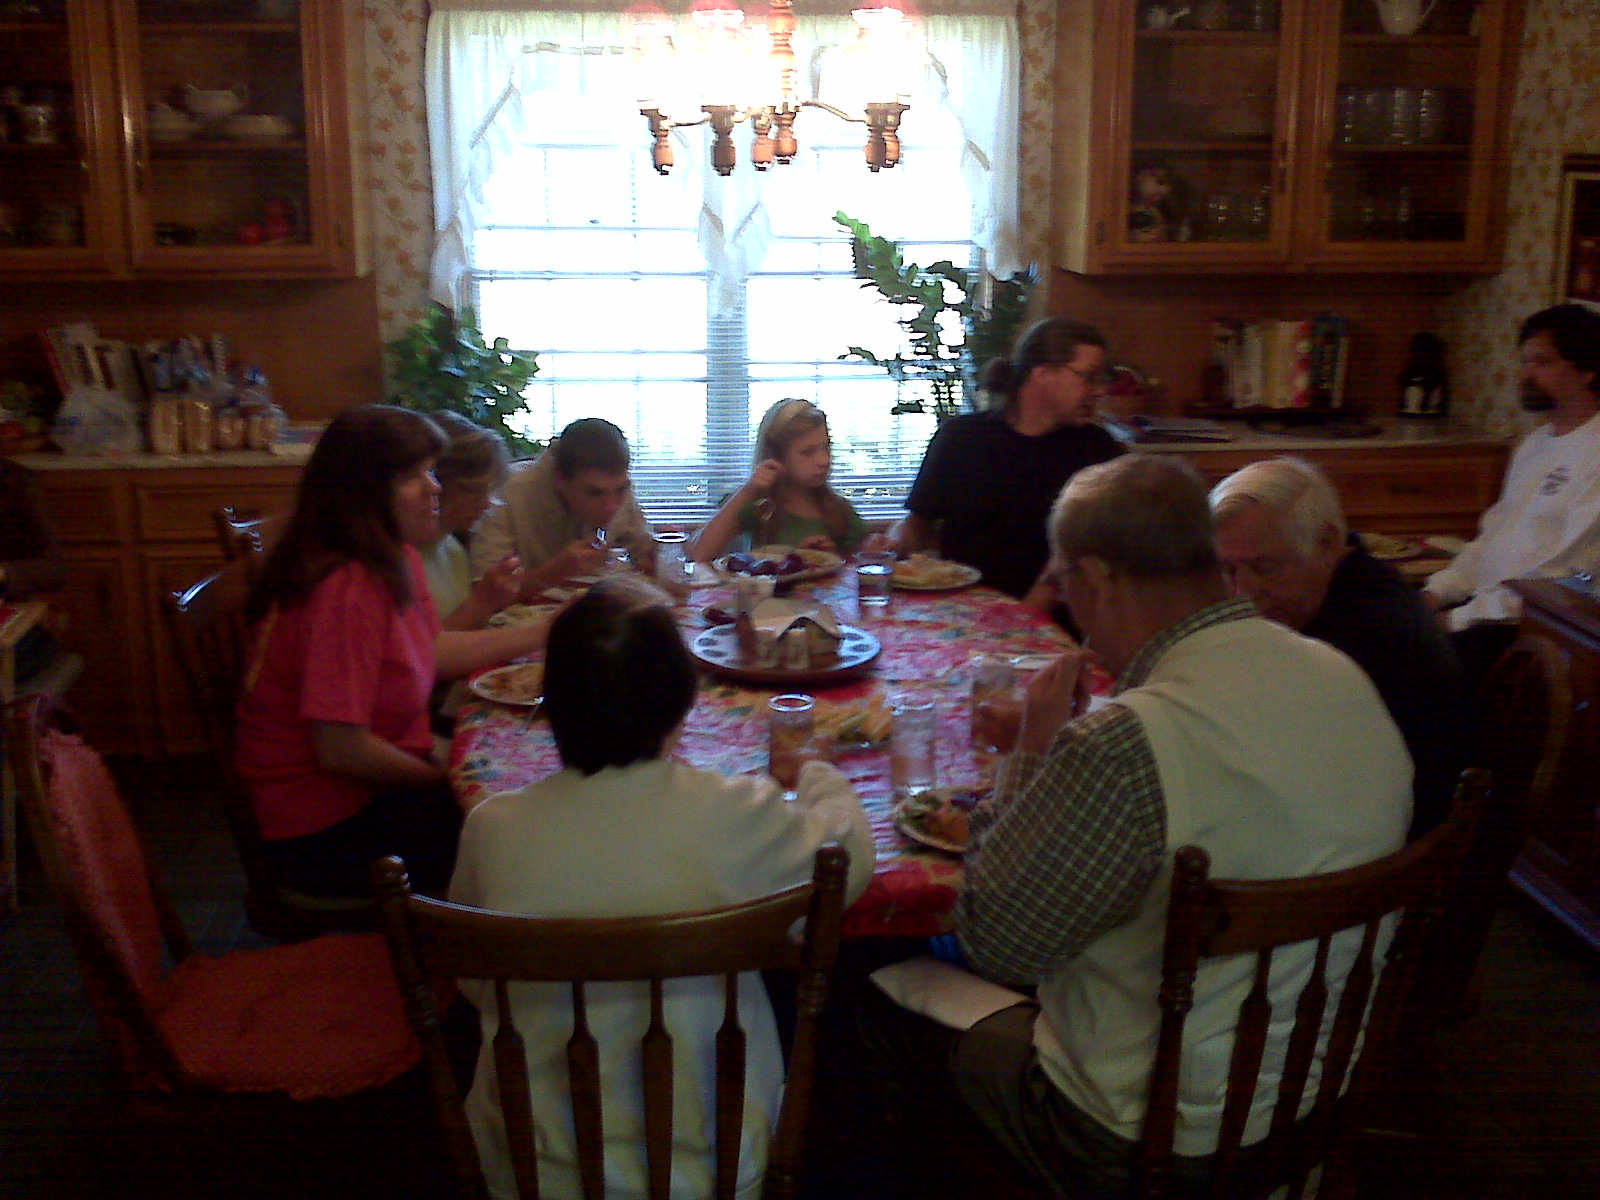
column 1577, row 274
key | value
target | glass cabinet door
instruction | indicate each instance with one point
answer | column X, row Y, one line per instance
column 53, row 201
column 220, row 170
column 1406, row 167
column 1206, row 157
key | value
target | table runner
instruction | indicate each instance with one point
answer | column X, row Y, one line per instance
column 928, row 641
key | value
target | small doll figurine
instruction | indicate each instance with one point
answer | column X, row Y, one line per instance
column 1150, row 215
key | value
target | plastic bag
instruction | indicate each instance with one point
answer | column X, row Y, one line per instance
column 96, row 420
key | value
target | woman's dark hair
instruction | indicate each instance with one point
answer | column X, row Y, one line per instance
column 344, row 510
column 617, row 678
column 1052, row 340
column 1573, row 330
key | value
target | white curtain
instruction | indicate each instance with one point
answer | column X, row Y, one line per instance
column 492, row 65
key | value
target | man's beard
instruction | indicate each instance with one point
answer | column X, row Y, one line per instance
column 1534, row 400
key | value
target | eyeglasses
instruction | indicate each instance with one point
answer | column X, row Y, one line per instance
column 1101, row 378
column 1261, row 569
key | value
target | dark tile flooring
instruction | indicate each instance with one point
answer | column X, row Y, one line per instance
column 1507, row 1105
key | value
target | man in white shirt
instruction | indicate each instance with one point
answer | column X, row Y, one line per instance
column 1547, row 520
column 551, row 510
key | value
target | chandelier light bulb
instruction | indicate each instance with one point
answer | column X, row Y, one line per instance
column 740, row 70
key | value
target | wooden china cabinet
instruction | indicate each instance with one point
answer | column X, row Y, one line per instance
column 1251, row 135
column 106, row 171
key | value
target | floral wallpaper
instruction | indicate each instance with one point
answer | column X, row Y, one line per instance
column 397, row 152
column 1554, row 114
column 1037, row 23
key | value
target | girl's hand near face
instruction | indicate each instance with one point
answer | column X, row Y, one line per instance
column 763, row 478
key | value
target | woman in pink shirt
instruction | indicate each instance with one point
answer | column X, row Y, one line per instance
column 334, row 738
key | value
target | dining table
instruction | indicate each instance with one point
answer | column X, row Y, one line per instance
column 928, row 642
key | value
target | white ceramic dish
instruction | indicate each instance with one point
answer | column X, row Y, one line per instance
column 520, row 685
column 941, row 576
column 257, row 127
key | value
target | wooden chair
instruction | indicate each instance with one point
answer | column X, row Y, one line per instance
column 1210, row 919
column 211, row 643
column 1524, row 708
column 431, row 939
column 316, row 1019
column 247, row 537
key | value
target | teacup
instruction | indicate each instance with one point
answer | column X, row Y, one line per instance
column 213, row 104
column 1402, row 17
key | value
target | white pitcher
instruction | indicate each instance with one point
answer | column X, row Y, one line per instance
column 1402, row 17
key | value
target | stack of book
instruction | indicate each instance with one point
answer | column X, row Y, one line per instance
column 1276, row 364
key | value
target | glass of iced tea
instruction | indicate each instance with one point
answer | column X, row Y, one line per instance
column 996, row 704
column 789, row 732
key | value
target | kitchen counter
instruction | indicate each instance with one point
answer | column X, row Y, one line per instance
column 1394, row 434
column 293, row 455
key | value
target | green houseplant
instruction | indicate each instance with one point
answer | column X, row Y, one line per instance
column 442, row 364
column 953, row 332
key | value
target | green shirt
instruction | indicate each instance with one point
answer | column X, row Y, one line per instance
column 792, row 530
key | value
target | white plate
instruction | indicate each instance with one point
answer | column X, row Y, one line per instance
column 518, row 614
column 822, row 563
column 503, row 685
column 959, row 576
column 909, row 813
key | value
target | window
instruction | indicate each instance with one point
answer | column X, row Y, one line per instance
column 569, row 244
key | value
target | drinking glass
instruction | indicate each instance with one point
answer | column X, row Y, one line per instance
column 1219, row 216
column 1430, row 115
column 790, row 728
column 996, row 704
column 913, row 765
column 672, row 563
column 1401, row 108
column 874, row 577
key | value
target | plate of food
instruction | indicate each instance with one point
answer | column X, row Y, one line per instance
column 520, row 614
column 520, row 684
column 854, row 724
column 785, row 563
column 936, row 818
column 1392, row 549
column 720, row 652
column 925, row 573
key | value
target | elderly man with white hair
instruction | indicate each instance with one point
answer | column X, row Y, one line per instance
column 1271, row 750
column 1282, row 539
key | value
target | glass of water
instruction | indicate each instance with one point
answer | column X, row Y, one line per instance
column 913, row 763
column 874, row 577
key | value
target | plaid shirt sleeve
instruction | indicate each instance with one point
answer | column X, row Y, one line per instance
column 1065, row 850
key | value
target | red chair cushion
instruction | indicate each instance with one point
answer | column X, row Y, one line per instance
column 314, row 1019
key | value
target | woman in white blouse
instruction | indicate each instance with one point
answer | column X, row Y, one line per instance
column 625, row 831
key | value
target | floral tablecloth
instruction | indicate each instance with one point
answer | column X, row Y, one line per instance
column 928, row 641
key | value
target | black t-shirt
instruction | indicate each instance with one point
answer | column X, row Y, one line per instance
column 1378, row 619
column 991, row 489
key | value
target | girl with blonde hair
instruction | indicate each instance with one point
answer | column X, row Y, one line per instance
column 787, row 500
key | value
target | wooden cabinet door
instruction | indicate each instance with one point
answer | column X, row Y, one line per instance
column 60, row 197
column 1400, row 137
column 253, row 177
column 1289, row 135
column 1197, row 156
column 102, row 625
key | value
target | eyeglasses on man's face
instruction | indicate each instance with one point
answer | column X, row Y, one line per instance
column 1098, row 378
